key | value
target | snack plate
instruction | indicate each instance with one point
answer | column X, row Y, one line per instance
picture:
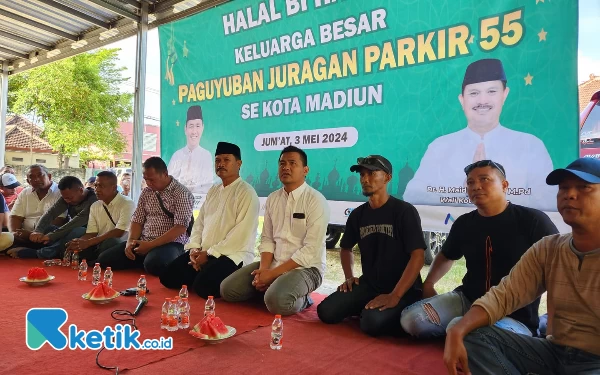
column 99, row 301
column 221, row 339
column 36, row 283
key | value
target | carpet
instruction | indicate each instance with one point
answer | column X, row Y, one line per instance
column 309, row 346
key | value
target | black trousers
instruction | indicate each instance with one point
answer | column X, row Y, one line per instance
column 341, row 305
column 206, row 282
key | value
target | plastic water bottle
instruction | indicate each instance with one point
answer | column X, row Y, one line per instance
column 75, row 260
column 172, row 316
column 82, row 274
column 96, row 272
column 209, row 307
column 66, row 262
column 141, row 288
column 108, row 277
column 184, row 314
column 183, row 293
column 277, row 333
column 164, row 316
column 176, row 300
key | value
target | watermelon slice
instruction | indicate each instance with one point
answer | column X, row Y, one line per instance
column 37, row 274
column 108, row 291
column 211, row 327
column 101, row 292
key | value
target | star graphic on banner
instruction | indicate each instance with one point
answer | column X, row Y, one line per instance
column 173, row 102
column 185, row 49
column 471, row 39
column 177, row 122
column 539, row 1
column 542, row 35
column 528, row 78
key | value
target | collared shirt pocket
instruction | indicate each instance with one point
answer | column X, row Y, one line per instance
column 299, row 225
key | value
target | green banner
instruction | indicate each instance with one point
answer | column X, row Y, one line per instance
column 346, row 79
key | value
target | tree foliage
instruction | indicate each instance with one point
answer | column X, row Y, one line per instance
column 78, row 100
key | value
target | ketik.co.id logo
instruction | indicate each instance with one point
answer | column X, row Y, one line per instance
column 43, row 326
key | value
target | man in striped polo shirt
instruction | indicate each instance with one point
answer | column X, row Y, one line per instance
column 159, row 224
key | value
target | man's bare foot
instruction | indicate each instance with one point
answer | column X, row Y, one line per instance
column 14, row 252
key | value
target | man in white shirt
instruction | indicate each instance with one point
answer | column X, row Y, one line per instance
column 224, row 234
column 108, row 221
column 192, row 165
column 31, row 204
column 439, row 179
column 292, row 246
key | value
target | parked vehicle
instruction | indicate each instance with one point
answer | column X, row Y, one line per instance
column 589, row 125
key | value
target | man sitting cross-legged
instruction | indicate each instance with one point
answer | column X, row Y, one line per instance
column 492, row 239
column 158, row 226
column 109, row 219
column 292, row 246
column 224, row 232
column 76, row 201
column 389, row 235
column 567, row 266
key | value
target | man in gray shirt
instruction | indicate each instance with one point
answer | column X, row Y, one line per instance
column 76, row 201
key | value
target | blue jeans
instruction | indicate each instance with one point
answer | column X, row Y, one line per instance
column 55, row 249
column 494, row 351
column 155, row 262
column 431, row 317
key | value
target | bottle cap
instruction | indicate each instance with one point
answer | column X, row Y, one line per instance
column 211, row 297
column 277, row 316
column 185, row 299
column 143, row 276
column 108, row 268
column 184, row 286
column 83, row 261
column 97, row 264
column 168, row 299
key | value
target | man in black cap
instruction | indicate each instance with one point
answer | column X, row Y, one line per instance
column 224, row 233
column 389, row 235
column 482, row 97
column 567, row 266
column 192, row 164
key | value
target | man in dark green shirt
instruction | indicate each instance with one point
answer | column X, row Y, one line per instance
column 75, row 201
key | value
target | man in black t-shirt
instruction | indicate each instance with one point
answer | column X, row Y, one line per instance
column 492, row 239
column 389, row 235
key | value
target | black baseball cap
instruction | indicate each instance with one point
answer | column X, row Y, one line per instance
column 588, row 169
column 373, row 163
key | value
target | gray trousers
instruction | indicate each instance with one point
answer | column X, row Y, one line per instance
column 287, row 295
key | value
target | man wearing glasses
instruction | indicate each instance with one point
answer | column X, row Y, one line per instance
column 492, row 239
column 389, row 235
column 484, row 92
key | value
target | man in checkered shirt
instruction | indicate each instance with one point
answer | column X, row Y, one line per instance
column 157, row 234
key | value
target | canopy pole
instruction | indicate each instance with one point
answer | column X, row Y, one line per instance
column 139, row 102
column 3, row 108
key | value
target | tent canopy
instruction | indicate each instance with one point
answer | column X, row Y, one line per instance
column 36, row 32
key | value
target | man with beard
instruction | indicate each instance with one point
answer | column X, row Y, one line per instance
column 192, row 164
column 483, row 95
column 224, row 232
column 389, row 235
